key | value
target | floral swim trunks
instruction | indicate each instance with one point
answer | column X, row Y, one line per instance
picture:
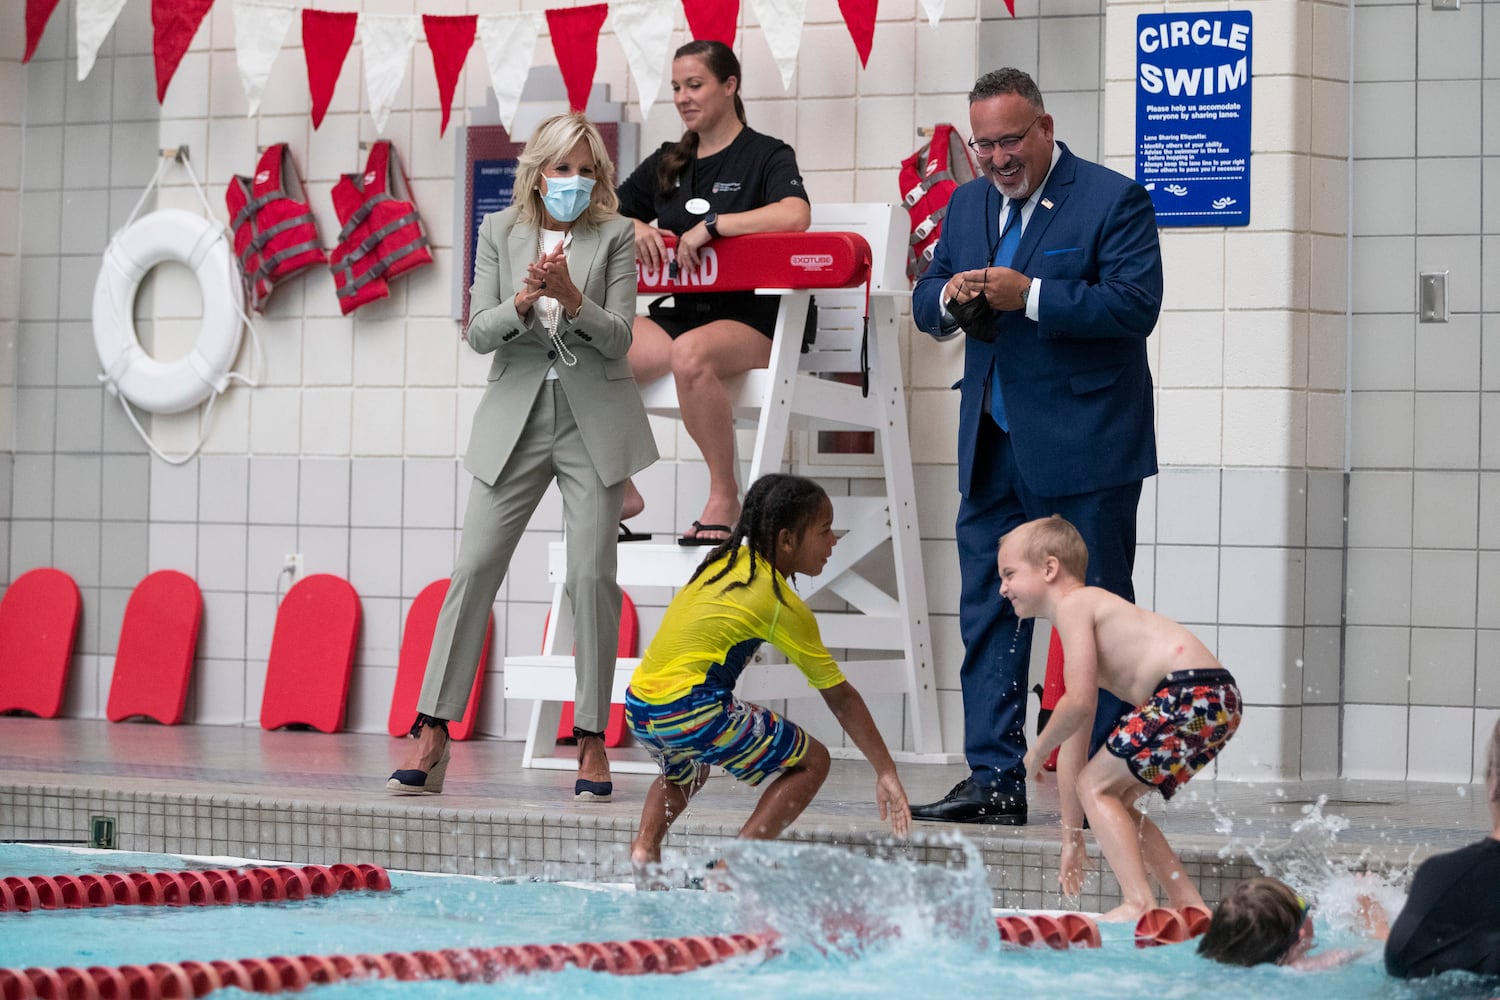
column 1181, row 728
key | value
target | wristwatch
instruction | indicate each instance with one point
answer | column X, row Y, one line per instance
column 1026, row 293
column 711, row 223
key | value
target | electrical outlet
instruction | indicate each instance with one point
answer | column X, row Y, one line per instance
column 292, row 566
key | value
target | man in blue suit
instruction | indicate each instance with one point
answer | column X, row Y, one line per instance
column 1051, row 266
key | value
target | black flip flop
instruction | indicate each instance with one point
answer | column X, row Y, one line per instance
column 688, row 540
column 626, row 535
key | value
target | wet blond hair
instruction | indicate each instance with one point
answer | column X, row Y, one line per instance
column 552, row 140
column 1257, row 922
column 1052, row 536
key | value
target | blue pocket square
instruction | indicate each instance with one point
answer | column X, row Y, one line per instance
column 1053, row 253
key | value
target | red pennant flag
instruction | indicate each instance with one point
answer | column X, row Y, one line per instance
column 575, row 39
column 712, row 20
column 859, row 15
column 450, row 39
column 38, row 12
column 173, row 23
column 326, row 37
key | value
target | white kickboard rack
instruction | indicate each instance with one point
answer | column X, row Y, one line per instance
column 789, row 394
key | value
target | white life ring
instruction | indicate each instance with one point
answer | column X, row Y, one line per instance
column 152, row 385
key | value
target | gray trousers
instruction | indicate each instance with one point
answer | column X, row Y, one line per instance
column 550, row 448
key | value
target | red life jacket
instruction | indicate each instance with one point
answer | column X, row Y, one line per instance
column 275, row 236
column 382, row 237
column 928, row 179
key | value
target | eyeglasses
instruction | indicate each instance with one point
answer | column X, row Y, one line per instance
column 1006, row 144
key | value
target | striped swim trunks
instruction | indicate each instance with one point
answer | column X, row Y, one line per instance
column 707, row 726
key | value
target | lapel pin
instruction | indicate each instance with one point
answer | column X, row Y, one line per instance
column 1046, row 202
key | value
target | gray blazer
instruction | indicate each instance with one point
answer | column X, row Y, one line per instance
column 600, row 389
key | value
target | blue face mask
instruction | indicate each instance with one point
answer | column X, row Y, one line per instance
column 567, row 197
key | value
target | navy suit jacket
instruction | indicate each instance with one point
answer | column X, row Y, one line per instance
column 1076, row 384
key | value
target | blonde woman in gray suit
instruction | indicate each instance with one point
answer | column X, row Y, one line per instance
column 553, row 299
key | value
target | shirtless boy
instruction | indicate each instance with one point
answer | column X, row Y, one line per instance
column 1188, row 707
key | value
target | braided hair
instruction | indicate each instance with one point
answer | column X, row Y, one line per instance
column 720, row 60
column 774, row 503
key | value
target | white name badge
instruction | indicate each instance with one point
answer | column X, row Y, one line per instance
column 698, row 206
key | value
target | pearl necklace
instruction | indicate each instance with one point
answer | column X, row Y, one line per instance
column 552, row 314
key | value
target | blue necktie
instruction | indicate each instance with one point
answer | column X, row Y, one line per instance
column 1005, row 252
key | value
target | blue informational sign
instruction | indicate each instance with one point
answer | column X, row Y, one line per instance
column 492, row 182
column 1192, row 116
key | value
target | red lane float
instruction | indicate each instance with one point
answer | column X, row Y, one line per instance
column 1161, row 925
column 1058, row 931
column 281, row 973
column 193, row 887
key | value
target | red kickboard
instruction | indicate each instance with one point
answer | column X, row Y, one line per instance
column 630, row 633
column 421, row 623
column 158, row 643
column 312, row 655
column 38, row 620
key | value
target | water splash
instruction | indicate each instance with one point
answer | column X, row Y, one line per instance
column 832, row 901
column 1311, row 862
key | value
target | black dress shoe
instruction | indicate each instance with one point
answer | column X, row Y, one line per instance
column 971, row 802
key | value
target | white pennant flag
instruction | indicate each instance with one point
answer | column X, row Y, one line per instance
column 387, row 40
column 934, row 9
column 259, row 30
column 644, row 28
column 781, row 23
column 509, row 42
column 95, row 18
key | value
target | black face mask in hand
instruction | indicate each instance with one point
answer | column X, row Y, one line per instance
column 975, row 316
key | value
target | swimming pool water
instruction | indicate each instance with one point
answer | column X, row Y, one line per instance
column 849, row 926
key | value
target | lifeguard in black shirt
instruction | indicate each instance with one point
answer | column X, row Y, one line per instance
column 720, row 179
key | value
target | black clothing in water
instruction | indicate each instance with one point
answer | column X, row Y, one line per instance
column 1452, row 916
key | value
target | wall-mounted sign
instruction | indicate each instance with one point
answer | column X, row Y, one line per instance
column 1192, row 115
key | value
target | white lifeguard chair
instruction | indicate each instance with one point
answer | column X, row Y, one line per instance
column 791, row 394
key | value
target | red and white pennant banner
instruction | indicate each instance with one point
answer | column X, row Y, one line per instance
column 644, row 28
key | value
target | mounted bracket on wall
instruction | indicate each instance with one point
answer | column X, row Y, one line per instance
column 1432, row 297
column 1445, row 4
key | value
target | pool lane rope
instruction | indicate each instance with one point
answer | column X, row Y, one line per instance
column 194, row 887
column 280, row 973
column 1058, row 931
column 1162, row 925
